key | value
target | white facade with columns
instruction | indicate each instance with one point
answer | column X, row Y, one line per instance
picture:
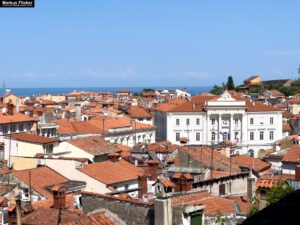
column 252, row 126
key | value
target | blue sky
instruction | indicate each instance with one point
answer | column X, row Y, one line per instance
column 148, row 43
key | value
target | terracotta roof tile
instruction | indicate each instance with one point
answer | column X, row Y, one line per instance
column 138, row 112
column 94, row 145
column 15, row 118
column 204, row 154
column 257, row 165
column 99, row 218
column 33, row 138
column 286, row 127
column 266, row 183
column 41, row 177
column 38, row 216
column 213, row 205
column 112, row 172
column 135, row 201
column 259, row 107
column 293, row 155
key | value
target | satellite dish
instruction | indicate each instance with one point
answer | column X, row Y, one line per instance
column 4, row 110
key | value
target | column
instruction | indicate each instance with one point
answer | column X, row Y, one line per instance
column 231, row 127
column 220, row 138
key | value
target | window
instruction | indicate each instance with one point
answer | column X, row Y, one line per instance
column 222, row 189
column 271, row 135
column 271, row 120
column 197, row 136
column 251, row 136
column 28, row 126
column 261, row 135
column 187, row 121
column 197, row 121
column 251, row 153
column 213, row 136
column 21, row 127
column 236, row 121
column 5, row 129
column 49, row 149
column 177, row 136
column 213, row 121
column 126, row 186
column 251, row 121
column 25, row 193
column 177, row 122
column 13, row 128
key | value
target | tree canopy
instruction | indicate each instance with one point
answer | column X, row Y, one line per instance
column 230, row 84
column 277, row 192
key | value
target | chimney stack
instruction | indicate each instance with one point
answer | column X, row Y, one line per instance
column 77, row 112
column 19, row 209
column 59, row 197
column 153, row 169
column 142, row 180
column 114, row 157
column 10, row 108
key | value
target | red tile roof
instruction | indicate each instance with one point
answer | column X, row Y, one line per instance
column 256, row 164
column 286, row 127
column 259, row 107
column 138, row 112
column 266, row 183
column 293, row 155
column 94, row 145
column 195, row 105
column 204, row 154
column 117, row 198
column 41, row 177
column 213, row 205
column 33, row 138
column 46, row 216
column 112, row 172
column 15, row 118
column 99, row 218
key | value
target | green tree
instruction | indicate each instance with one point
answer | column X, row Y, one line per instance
column 217, row 90
column 230, row 84
column 254, row 207
column 277, row 192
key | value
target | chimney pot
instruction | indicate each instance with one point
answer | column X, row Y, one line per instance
column 59, row 197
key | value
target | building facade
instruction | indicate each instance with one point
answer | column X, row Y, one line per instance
column 204, row 120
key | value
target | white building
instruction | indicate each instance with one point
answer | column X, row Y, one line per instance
column 253, row 126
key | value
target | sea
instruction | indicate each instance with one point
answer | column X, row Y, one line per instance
column 30, row 92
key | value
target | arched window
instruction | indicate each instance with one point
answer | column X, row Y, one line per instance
column 251, row 152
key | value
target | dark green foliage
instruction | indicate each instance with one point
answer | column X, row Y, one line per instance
column 254, row 207
column 277, row 192
column 230, row 84
column 148, row 89
column 217, row 90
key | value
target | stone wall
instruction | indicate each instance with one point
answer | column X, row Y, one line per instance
column 129, row 212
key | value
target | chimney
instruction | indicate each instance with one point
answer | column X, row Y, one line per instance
column 153, row 169
column 59, row 197
column 10, row 108
column 77, row 112
column 142, row 181
column 114, row 157
column 297, row 173
column 186, row 182
column 250, row 185
column 17, row 105
column 19, row 209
